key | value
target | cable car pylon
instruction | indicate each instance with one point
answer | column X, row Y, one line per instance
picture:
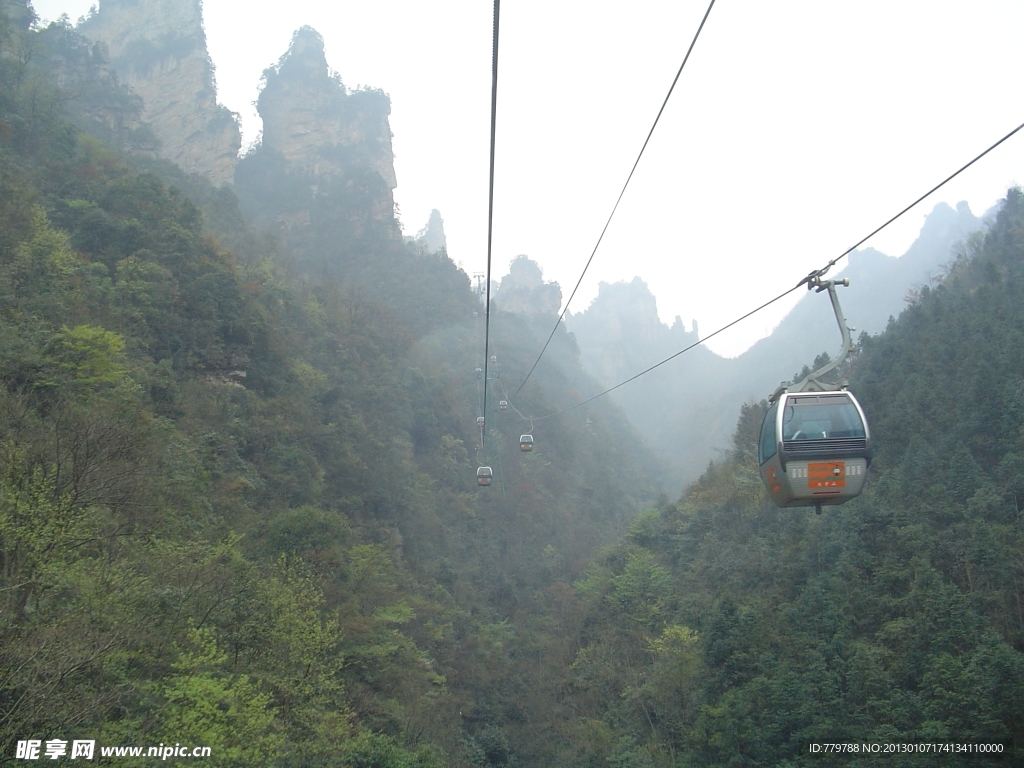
column 815, row 446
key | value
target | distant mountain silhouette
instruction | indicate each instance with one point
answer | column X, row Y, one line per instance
column 687, row 409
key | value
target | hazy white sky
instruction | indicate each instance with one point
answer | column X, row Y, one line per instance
column 796, row 128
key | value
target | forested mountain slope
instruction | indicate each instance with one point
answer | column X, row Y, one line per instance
column 238, row 508
column 727, row 632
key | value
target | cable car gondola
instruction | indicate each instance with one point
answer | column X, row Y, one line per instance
column 525, row 443
column 503, row 404
column 815, row 445
column 814, row 448
column 484, row 475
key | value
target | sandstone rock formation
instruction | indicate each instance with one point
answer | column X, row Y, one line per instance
column 158, row 47
column 524, row 292
column 321, row 129
column 431, row 238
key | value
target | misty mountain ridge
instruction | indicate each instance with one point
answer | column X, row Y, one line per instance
column 686, row 409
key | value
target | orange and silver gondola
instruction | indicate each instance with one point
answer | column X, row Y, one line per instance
column 815, row 445
column 815, row 449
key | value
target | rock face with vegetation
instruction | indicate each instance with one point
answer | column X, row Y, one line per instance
column 318, row 137
column 159, row 50
column 523, row 290
column 314, row 122
column 431, row 238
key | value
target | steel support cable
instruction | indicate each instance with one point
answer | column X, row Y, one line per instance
column 942, row 183
column 798, row 285
column 490, row 211
column 619, row 199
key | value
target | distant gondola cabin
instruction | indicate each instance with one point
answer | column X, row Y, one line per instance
column 526, row 443
column 484, row 476
column 503, row 404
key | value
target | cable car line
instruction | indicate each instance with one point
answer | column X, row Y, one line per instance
column 811, row 280
column 490, row 207
column 617, row 201
column 484, row 473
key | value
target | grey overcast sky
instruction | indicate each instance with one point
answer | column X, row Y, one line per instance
column 797, row 127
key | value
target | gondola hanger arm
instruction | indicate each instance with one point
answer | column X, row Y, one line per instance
column 811, row 382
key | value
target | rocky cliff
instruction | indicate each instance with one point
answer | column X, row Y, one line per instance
column 158, row 48
column 524, row 292
column 324, row 131
column 323, row 172
column 620, row 333
column 308, row 114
